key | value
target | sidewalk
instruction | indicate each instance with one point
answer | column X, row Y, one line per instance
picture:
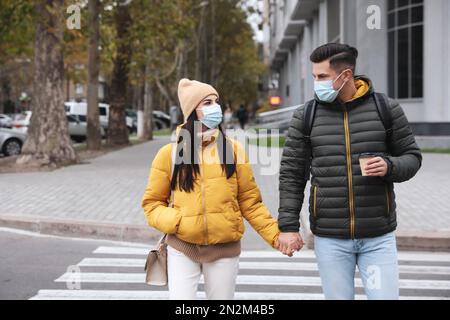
column 101, row 199
column 104, row 193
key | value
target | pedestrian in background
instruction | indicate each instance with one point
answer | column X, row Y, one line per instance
column 242, row 116
column 227, row 116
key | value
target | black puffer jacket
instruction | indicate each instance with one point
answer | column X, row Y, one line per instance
column 343, row 203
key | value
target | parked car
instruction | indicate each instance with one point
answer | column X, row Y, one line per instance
column 5, row 121
column 81, row 118
column 132, row 115
column 80, row 109
column 161, row 120
column 22, row 121
column 11, row 141
column 78, row 129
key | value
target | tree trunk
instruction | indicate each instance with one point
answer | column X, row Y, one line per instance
column 148, row 105
column 200, row 44
column 67, row 88
column 94, row 139
column 148, row 110
column 140, row 103
column 212, row 76
column 48, row 142
column 165, row 92
column 117, row 127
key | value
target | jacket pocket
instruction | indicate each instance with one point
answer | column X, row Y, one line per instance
column 388, row 200
column 315, row 201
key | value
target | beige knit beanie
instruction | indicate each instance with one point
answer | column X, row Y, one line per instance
column 191, row 93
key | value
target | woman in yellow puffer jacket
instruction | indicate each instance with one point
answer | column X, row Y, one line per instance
column 212, row 188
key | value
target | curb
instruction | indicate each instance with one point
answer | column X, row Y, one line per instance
column 414, row 240
column 423, row 240
column 88, row 229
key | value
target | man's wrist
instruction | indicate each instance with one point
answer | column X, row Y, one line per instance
column 390, row 166
column 293, row 230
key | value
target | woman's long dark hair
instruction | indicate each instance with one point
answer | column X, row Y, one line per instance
column 184, row 174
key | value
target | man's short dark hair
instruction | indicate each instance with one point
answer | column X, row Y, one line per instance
column 341, row 56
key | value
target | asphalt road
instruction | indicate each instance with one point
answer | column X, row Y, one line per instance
column 30, row 262
column 41, row 267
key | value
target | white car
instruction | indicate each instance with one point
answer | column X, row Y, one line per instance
column 22, row 121
column 5, row 121
column 79, row 109
column 77, row 127
column 11, row 142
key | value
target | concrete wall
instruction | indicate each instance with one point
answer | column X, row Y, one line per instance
column 373, row 54
column 371, row 43
column 436, row 61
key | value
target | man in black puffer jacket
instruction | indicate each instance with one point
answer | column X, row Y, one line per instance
column 352, row 216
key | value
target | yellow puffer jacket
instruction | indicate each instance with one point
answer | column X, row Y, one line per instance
column 213, row 212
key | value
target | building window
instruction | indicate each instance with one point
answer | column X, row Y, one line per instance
column 333, row 21
column 405, row 48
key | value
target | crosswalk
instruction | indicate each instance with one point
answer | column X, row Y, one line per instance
column 116, row 272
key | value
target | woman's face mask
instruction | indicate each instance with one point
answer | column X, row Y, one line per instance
column 325, row 91
column 212, row 115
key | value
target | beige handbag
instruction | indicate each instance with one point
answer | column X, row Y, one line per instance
column 156, row 264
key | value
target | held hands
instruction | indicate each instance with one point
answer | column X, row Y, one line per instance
column 288, row 242
column 376, row 167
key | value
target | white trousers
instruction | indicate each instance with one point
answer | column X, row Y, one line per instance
column 184, row 277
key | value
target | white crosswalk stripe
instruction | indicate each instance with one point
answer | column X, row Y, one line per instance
column 263, row 265
column 112, row 271
column 410, row 256
column 164, row 295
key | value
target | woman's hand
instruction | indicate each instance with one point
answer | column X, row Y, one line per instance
column 276, row 244
column 288, row 242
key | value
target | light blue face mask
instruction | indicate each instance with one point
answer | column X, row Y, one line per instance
column 325, row 91
column 212, row 116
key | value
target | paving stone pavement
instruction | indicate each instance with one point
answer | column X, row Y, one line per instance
column 109, row 189
column 423, row 203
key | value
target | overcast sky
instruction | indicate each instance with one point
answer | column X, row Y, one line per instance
column 255, row 19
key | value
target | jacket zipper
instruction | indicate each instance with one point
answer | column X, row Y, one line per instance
column 203, row 202
column 388, row 201
column 349, row 174
column 315, row 202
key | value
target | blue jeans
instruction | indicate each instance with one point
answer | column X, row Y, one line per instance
column 376, row 259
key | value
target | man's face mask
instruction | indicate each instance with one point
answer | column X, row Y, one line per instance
column 325, row 91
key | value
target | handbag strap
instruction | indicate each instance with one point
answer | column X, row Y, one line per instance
column 161, row 242
column 173, row 158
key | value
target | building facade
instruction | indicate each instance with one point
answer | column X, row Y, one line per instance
column 404, row 47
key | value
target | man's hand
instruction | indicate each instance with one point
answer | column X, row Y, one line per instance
column 288, row 242
column 376, row 167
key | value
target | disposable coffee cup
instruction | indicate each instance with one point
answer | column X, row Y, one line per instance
column 363, row 158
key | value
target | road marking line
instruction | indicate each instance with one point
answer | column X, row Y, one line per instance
column 99, row 277
column 264, row 265
column 164, row 295
column 408, row 256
